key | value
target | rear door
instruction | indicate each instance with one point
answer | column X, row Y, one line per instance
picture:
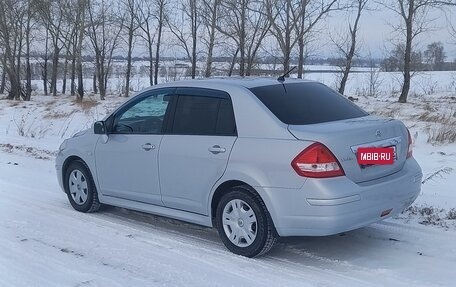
column 195, row 149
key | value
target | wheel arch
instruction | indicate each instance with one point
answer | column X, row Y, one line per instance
column 222, row 188
column 220, row 191
column 70, row 160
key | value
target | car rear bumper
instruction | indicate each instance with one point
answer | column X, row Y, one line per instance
column 333, row 205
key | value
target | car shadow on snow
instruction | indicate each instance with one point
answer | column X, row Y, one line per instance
column 367, row 244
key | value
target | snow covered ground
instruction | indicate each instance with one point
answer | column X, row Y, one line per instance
column 44, row 242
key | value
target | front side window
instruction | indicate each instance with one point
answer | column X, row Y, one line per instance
column 143, row 117
column 204, row 115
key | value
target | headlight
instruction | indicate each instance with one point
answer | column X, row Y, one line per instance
column 63, row 145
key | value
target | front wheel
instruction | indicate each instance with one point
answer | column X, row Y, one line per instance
column 80, row 188
column 244, row 224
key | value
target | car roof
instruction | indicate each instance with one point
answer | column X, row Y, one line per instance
column 246, row 82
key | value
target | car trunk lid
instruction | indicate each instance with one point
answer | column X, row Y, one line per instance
column 344, row 137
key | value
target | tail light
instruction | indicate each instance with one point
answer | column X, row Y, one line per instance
column 317, row 161
column 410, row 148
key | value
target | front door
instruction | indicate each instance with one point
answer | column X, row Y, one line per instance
column 195, row 150
column 127, row 164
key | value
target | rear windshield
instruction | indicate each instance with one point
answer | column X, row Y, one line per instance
column 306, row 103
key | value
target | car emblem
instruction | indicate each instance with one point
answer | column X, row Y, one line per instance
column 378, row 133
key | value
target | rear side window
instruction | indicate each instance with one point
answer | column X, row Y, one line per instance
column 225, row 119
column 306, row 103
column 203, row 115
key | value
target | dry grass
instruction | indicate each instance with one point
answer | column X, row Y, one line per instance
column 429, row 215
column 441, row 126
column 58, row 114
column 438, row 174
column 438, row 116
column 13, row 103
column 51, row 112
column 390, row 111
column 443, row 134
column 429, row 107
column 444, row 129
column 36, row 153
column 451, row 215
column 86, row 105
column 430, row 117
column 50, row 106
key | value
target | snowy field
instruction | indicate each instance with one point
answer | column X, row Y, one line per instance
column 44, row 242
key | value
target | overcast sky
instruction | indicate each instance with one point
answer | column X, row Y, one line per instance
column 376, row 33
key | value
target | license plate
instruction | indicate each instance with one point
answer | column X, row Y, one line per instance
column 376, row 155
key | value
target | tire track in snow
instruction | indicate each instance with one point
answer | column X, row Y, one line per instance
column 115, row 233
column 182, row 243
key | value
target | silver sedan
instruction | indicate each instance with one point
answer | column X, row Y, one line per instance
column 255, row 158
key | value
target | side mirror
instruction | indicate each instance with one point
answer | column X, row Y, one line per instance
column 99, row 128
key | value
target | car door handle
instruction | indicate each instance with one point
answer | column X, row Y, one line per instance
column 148, row 146
column 217, row 149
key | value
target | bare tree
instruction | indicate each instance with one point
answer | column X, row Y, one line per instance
column 68, row 35
column 451, row 28
column 11, row 41
column 233, row 62
column 187, row 40
column 394, row 62
column 145, row 20
column 415, row 20
column 435, row 56
column 374, row 79
column 348, row 46
column 246, row 23
column 44, row 70
column 161, row 6
column 259, row 25
column 130, row 25
column 64, row 23
column 29, row 25
column 81, row 20
column 312, row 13
column 104, row 32
column 3, row 78
column 210, row 14
column 52, row 13
column 234, row 25
column 292, row 21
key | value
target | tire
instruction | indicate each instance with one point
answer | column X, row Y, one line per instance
column 80, row 188
column 241, row 232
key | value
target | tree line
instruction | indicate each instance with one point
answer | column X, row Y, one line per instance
column 431, row 59
column 240, row 30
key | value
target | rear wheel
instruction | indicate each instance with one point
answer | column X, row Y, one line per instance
column 243, row 223
column 80, row 188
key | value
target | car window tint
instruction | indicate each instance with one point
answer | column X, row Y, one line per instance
column 195, row 115
column 146, row 116
column 203, row 115
column 306, row 103
column 226, row 124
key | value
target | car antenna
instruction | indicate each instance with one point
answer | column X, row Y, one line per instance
column 281, row 78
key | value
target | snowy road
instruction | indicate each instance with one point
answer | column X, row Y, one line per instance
column 44, row 242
